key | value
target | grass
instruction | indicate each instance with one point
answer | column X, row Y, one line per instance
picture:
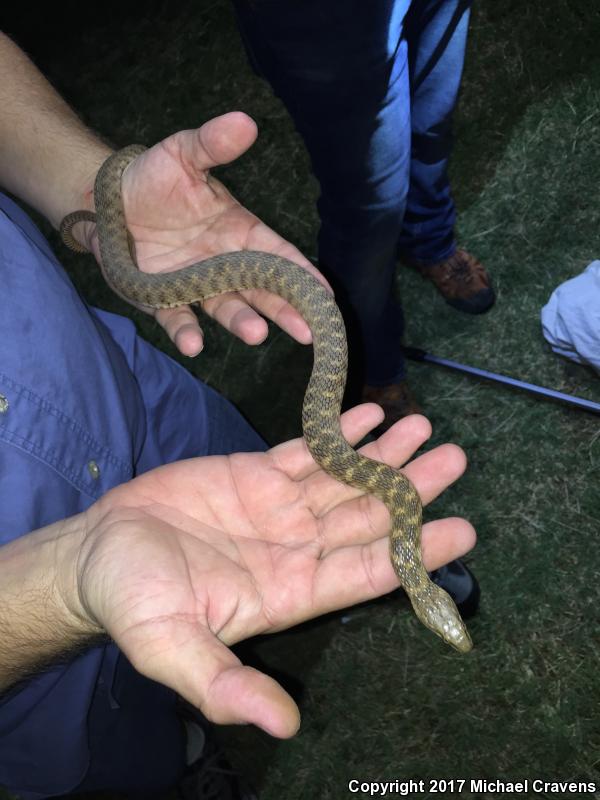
column 381, row 699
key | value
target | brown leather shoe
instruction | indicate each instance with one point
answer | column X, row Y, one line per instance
column 397, row 401
column 462, row 280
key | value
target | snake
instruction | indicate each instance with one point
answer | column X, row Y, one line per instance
column 321, row 410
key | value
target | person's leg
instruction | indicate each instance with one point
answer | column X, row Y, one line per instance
column 436, row 32
column 341, row 69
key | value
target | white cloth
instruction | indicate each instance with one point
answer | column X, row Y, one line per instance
column 571, row 318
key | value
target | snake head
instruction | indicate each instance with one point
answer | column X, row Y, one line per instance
column 440, row 614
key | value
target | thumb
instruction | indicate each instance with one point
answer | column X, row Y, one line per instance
column 238, row 694
column 208, row 675
column 219, row 141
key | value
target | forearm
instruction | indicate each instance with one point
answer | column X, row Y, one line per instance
column 48, row 157
column 41, row 619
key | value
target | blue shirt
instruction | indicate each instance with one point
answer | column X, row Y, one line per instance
column 85, row 405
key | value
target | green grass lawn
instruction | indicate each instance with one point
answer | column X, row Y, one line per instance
column 383, row 699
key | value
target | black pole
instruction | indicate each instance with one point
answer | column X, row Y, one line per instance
column 416, row 354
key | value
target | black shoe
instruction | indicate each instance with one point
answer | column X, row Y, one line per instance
column 460, row 583
column 210, row 776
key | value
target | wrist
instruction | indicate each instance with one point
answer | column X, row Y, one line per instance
column 41, row 617
column 69, row 546
column 80, row 197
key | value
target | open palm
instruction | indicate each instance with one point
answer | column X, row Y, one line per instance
column 200, row 554
column 178, row 214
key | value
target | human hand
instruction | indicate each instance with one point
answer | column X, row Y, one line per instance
column 186, row 560
column 178, row 214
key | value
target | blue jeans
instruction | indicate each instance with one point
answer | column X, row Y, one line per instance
column 371, row 87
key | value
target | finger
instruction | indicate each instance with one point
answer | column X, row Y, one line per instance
column 352, row 575
column 282, row 313
column 400, row 443
column 183, row 329
column 261, row 237
column 242, row 695
column 219, row 141
column 208, row 675
column 275, row 308
column 445, row 540
column 233, row 312
column 294, row 458
column 432, row 472
column 365, row 518
column 248, row 326
column 242, row 315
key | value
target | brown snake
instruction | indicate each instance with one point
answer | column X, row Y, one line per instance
column 322, row 402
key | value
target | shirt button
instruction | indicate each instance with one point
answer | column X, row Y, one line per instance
column 3, row 404
column 94, row 470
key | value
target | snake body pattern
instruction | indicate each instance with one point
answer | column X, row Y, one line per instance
column 322, row 402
